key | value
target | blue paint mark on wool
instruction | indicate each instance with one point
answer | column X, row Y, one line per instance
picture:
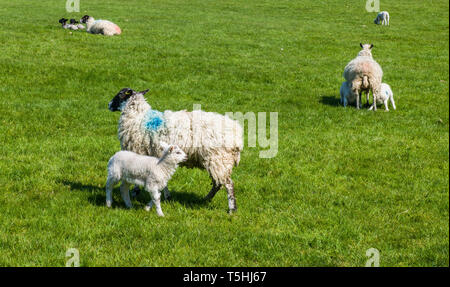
column 153, row 120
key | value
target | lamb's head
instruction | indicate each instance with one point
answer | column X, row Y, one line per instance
column 172, row 153
column 376, row 21
column 85, row 19
column 62, row 21
column 366, row 50
column 121, row 99
column 73, row 21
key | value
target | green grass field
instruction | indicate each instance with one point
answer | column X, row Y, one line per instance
column 343, row 180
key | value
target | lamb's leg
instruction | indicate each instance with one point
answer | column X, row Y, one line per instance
column 375, row 97
column 231, row 199
column 109, row 186
column 124, row 190
column 156, row 199
column 215, row 188
column 367, row 98
column 386, row 105
column 345, row 102
column 392, row 101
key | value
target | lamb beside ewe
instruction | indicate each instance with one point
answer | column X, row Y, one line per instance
column 210, row 140
column 382, row 18
column 363, row 73
column 147, row 171
column 104, row 27
column 385, row 96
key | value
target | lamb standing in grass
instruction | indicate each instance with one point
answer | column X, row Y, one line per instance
column 364, row 74
column 347, row 97
column 385, row 96
column 383, row 18
column 147, row 171
column 210, row 140
column 104, row 27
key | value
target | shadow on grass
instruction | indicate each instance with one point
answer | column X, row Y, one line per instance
column 330, row 101
column 98, row 196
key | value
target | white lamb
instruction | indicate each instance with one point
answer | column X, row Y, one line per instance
column 147, row 171
column 385, row 96
column 104, row 27
column 347, row 97
column 363, row 73
column 383, row 18
column 210, row 140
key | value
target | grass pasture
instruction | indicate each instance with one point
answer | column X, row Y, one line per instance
column 343, row 180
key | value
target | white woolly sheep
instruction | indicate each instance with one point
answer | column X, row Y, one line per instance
column 385, row 96
column 364, row 74
column 382, row 18
column 104, row 27
column 147, row 171
column 210, row 140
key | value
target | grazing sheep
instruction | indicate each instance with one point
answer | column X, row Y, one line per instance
column 104, row 27
column 75, row 23
column 383, row 18
column 64, row 24
column 385, row 96
column 364, row 74
column 151, row 172
column 210, row 140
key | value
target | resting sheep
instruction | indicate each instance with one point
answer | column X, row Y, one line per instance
column 363, row 73
column 104, row 27
column 148, row 171
column 210, row 140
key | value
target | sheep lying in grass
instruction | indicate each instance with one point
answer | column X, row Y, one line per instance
column 64, row 24
column 210, row 140
column 363, row 73
column 75, row 23
column 382, row 18
column 385, row 96
column 147, row 171
column 104, row 27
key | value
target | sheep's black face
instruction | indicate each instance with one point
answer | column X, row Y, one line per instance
column 73, row 21
column 84, row 19
column 62, row 21
column 120, row 99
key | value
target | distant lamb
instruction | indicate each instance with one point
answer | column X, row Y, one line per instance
column 64, row 24
column 385, row 96
column 147, row 171
column 382, row 18
column 104, row 27
column 210, row 140
column 75, row 23
column 363, row 73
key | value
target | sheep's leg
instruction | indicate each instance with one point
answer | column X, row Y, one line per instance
column 231, row 199
column 109, row 186
column 386, row 105
column 345, row 102
column 367, row 98
column 124, row 190
column 375, row 96
column 357, row 99
column 215, row 188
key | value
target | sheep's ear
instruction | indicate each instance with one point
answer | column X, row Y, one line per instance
column 144, row 92
column 171, row 148
column 361, row 45
column 371, row 46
